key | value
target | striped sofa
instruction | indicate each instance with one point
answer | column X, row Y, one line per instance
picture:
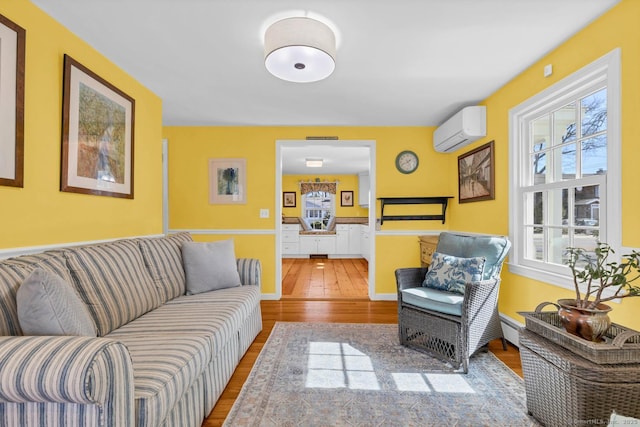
column 161, row 358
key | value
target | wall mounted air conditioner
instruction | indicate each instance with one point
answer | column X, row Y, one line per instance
column 461, row 129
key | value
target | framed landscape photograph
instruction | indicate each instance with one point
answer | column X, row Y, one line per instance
column 12, row 54
column 227, row 181
column 346, row 198
column 476, row 170
column 97, row 135
column 289, row 199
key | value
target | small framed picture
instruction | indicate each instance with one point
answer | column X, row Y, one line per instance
column 476, row 174
column 227, row 181
column 346, row 198
column 288, row 199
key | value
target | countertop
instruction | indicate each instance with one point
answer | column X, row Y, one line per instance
column 339, row 220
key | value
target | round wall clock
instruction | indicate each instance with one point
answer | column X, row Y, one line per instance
column 407, row 161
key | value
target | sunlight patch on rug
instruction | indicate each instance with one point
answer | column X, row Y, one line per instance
column 331, row 374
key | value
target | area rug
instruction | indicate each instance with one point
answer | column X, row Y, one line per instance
column 331, row 374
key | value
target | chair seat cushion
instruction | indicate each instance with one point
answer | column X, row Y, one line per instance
column 434, row 299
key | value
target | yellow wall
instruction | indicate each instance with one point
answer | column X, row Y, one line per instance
column 39, row 213
column 191, row 147
column 617, row 28
column 346, row 183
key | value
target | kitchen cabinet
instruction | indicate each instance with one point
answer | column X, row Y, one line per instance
column 348, row 239
column 364, row 241
column 314, row 244
column 363, row 189
column 290, row 239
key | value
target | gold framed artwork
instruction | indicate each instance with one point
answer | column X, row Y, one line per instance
column 346, row 198
column 227, row 181
column 288, row 199
column 476, row 172
column 97, row 134
column 12, row 59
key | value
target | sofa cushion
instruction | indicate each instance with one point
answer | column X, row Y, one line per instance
column 164, row 368
column 217, row 315
column 48, row 305
column 451, row 273
column 113, row 282
column 434, row 299
column 494, row 249
column 13, row 272
column 210, row 266
column 163, row 258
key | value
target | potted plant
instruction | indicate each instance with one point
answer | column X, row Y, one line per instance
column 586, row 315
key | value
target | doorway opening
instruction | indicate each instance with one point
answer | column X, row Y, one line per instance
column 335, row 261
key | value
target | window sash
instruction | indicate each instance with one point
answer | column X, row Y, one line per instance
column 602, row 73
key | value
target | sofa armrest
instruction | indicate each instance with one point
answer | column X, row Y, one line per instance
column 250, row 270
column 64, row 369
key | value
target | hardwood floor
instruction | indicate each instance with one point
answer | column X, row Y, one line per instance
column 335, row 311
column 327, row 278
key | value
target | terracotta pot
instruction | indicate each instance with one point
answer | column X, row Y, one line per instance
column 590, row 324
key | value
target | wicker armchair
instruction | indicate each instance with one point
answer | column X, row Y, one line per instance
column 447, row 325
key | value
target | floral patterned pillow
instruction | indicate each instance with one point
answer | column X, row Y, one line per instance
column 450, row 273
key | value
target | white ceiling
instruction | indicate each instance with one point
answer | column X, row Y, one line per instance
column 348, row 160
column 399, row 63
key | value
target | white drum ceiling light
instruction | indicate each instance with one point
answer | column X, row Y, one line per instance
column 300, row 50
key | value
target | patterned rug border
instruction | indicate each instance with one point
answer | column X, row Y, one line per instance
column 269, row 396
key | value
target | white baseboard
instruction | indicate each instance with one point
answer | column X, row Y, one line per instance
column 510, row 329
column 384, row 297
column 270, row 297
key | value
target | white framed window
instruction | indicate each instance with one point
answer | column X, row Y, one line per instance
column 565, row 171
column 318, row 207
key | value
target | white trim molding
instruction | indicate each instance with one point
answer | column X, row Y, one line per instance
column 384, row 297
column 220, row 231
column 511, row 329
column 604, row 71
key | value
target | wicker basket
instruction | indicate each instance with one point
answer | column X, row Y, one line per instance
column 621, row 345
column 564, row 389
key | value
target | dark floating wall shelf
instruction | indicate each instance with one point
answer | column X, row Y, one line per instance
column 413, row 201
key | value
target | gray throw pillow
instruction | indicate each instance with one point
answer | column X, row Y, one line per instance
column 210, row 266
column 48, row 305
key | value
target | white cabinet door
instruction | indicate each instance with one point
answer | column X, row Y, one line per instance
column 342, row 239
column 364, row 241
column 326, row 244
column 308, row 244
column 312, row 244
column 354, row 239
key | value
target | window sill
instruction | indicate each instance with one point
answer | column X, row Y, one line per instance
column 555, row 279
